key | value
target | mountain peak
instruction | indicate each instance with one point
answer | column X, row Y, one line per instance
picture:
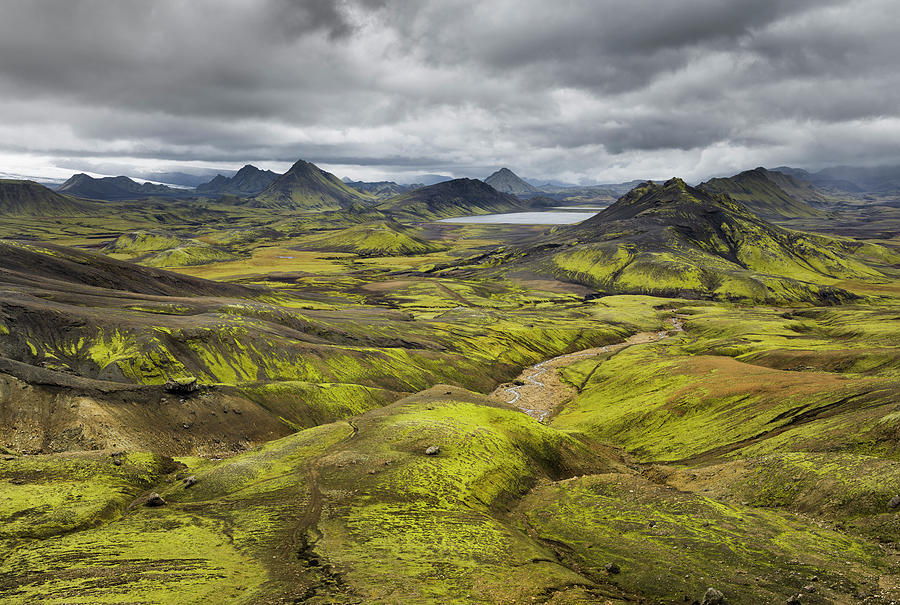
column 507, row 181
column 247, row 181
column 306, row 186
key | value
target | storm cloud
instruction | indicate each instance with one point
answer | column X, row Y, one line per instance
column 583, row 91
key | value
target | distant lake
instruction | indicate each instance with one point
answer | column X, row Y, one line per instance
column 548, row 217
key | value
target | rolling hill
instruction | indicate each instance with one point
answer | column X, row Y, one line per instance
column 27, row 198
column 762, row 192
column 381, row 238
column 306, row 187
column 677, row 240
column 459, row 197
column 164, row 249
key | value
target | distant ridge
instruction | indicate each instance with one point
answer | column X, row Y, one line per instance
column 382, row 190
column 307, row 187
column 249, row 180
column 114, row 188
column 760, row 192
column 27, row 198
column 850, row 179
column 507, row 181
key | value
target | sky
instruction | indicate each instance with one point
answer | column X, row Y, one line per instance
column 581, row 91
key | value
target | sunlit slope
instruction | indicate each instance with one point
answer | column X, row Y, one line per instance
column 382, row 238
column 677, row 240
column 165, row 249
column 506, row 510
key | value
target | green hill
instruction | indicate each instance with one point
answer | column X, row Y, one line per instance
column 306, row 187
column 459, row 197
column 27, row 198
column 673, row 239
column 165, row 249
column 382, row 238
column 761, row 191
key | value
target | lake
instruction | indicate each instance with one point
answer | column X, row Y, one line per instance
column 547, row 217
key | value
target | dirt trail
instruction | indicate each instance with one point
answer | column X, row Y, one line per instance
column 543, row 390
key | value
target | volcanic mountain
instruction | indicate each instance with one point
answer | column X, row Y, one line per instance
column 249, row 180
column 114, row 188
column 459, row 197
column 506, row 181
column 307, row 187
column 676, row 240
column 761, row 192
column 27, row 198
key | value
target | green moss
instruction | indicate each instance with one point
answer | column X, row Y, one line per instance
column 669, row 544
column 43, row 496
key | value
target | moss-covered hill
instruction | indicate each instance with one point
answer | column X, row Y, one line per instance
column 381, row 238
column 762, row 192
column 506, row 511
column 105, row 331
column 340, row 446
column 676, row 240
column 459, row 197
column 165, row 249
column 307, row 187
column 27, row 198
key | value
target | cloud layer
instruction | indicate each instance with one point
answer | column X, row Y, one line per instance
column 585, row 91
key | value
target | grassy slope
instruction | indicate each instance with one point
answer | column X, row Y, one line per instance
column 162, row 249
column 356, row 512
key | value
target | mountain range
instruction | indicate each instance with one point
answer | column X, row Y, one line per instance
column 116, row 188
column 306, row 186
column 249, row 180
column 851, row 179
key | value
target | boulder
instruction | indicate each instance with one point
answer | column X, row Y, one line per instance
column 894, row 502
column 155, row 500
column 713, row 597
column 432, row 450
column 612, row 568
column 182, row 386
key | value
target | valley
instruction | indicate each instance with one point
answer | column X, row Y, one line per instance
column 290, row 390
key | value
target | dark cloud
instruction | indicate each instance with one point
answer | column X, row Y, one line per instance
column 581, row 90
